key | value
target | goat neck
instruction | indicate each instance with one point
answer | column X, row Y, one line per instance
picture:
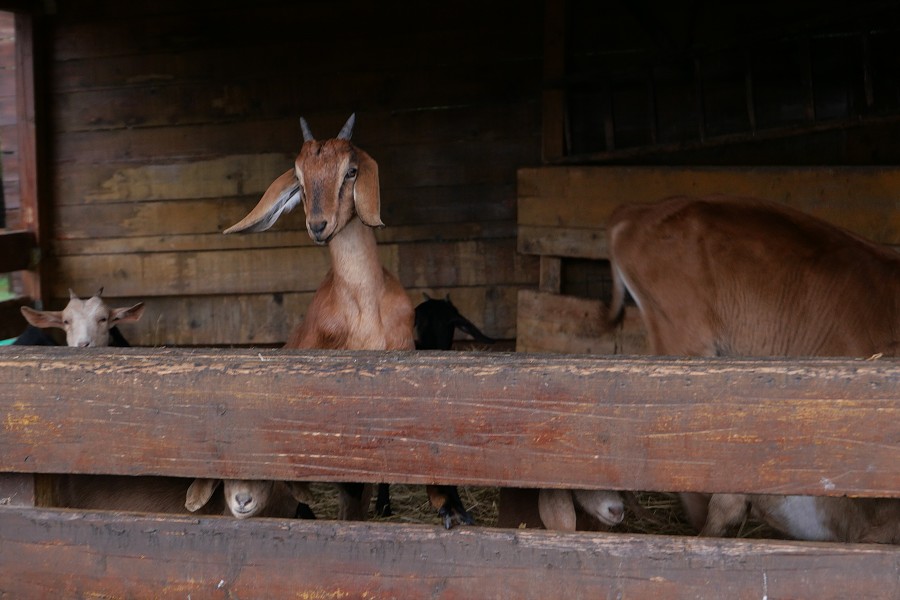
column 355, row 263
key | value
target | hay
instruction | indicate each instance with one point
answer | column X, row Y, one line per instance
column 658, row 513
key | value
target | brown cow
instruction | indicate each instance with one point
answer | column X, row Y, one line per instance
column 723, row 276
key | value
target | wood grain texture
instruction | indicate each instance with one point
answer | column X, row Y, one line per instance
column 861, row 199
column 791, row 427
column 67, row 554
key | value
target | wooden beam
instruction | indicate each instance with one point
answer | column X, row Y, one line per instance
column 861, row 199
column 35, row 210
column 817, row 426
column 553, row 100
column 68, row 554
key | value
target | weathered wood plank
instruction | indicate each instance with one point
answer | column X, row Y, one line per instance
column 58, row 553
column 281, row 237
column 454, row 417
column 266, row 319
column 563, row 241
column 80, row 227
column 548, row 322
column 862, row 199
column 278, row 270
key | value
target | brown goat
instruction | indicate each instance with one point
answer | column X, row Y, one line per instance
column 724, row 276
column 360, row 305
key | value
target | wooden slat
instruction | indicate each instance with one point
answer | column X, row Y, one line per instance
column 284, row 236
column 36, row 215
column 862, row 199
column 277, row 270
column 553, row 98
column 266, row 319
column 792, row 427
column 59, row 553
column 16, row 250
column 548, row 322
column 574, row 242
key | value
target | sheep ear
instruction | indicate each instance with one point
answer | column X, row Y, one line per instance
column 199, row 493
column 282, row 196
column 557, row 509
column 42, row 318
column 366, row 192
column 300, row 491
column 127, row 315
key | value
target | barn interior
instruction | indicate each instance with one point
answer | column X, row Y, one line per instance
column 132, row 134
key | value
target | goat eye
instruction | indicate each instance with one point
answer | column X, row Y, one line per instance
column 65, row 322
column 351, row 173
column 101, row 320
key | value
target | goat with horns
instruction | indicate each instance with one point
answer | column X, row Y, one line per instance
column 359, row 305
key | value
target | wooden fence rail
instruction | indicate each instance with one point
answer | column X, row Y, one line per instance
column 818, row 426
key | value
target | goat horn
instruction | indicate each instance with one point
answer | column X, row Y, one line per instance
column 72, row 294
column 347, row 129
column 307, row 133
column 99, row 292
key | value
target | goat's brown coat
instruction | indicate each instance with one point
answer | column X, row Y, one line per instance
column 723, row 276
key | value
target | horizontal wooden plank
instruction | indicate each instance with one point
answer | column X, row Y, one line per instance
column 250, row 93
column 563, row 241
column 752, row 425
column 448, row 210
column 275, row 270
column 556, row 323
column 266, row 319
column 16, row 250
column 861, row 199
column 95, row 165
column 58, row 553
column 549, row 322
column 289, row 232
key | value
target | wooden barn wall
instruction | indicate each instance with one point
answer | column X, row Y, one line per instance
column 169, row 119
column 8, row 139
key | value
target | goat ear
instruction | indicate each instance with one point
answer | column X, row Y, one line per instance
column 366, row 192
column 282, row 196
column 557, row 509
column 300, row 491
column 199, row 493
column 127, row 315
column 42, row 318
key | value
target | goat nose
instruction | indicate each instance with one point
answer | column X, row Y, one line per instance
column 243, row 499
column 84, row 344
column 318, row 227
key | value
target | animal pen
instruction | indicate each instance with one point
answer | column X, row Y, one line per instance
column 140, row 136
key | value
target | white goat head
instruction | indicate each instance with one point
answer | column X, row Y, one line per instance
column 326, row 176
column 86, row 322
column 246, row 498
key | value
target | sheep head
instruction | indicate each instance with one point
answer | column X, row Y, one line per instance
column 335, row 181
